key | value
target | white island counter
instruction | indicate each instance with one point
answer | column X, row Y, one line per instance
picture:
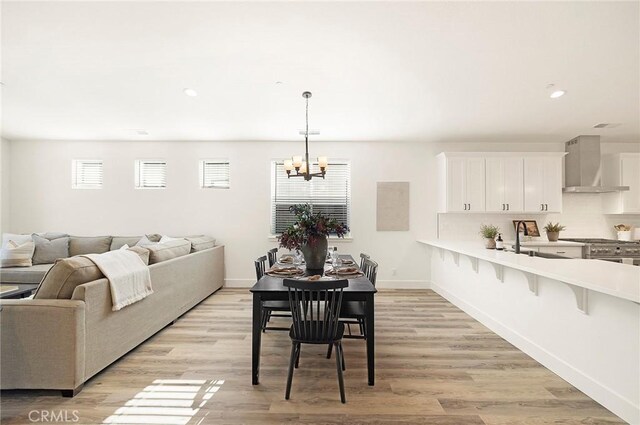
column 579, row 318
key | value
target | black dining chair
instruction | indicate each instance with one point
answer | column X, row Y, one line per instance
column 315, row 308
column 353, row 312
column 269, row 307
column 273, row 256
column 363, row 257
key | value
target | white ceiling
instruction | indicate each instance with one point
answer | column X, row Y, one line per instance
column 437, row 71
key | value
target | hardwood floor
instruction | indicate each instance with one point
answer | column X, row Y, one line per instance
column 435, row 365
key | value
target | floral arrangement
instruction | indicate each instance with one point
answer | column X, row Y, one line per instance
column 309, row 228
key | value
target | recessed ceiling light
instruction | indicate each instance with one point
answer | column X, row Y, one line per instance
column 556, row 94
column 278, row 82
column 190, row 92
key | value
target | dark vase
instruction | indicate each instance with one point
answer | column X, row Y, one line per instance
column 315, row 254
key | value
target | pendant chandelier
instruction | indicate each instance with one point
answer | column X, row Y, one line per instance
column 300, row 165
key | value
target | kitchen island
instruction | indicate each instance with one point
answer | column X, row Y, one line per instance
column 579, row 318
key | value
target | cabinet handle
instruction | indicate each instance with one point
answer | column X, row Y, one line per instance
column 507, row 207
column 465, row 207
column 469, row 207
column 541, row 207
column 546, row 207
column 502, row 207
column 561, row 252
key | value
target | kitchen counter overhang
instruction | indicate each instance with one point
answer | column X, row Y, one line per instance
column 615, row 279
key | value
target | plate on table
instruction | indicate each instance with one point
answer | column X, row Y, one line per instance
column 287, row 259
column 285, row 271
column 345, row 272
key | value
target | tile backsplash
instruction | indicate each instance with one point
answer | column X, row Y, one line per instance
column 582, row 215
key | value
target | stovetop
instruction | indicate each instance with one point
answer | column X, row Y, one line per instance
column 600, row 241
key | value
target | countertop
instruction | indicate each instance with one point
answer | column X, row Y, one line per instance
column 545, row 243
column 615, row 279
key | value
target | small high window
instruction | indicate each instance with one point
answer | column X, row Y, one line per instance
column 214, row 174
column 86, row 174
column 151, row 174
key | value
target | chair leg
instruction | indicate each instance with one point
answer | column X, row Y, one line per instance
column 292, row 359
column 339, row 368
column 344, row 367
column 298, row 355
column 329, row 351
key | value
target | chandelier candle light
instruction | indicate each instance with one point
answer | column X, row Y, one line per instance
column 302, row 166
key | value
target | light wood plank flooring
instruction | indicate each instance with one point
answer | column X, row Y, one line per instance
column 435, row 365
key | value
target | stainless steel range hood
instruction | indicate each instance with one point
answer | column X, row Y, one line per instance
column 583, row 168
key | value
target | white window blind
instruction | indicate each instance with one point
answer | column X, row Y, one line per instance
column 151, row 174
column 214, row 174
column 86, row 174
column 331, row 195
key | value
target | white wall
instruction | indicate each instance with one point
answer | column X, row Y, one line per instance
column 5, row 184
column 41, row 197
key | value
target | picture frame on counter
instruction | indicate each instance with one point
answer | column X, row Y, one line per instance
column 532, row 227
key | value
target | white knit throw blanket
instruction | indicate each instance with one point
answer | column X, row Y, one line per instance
column 128, row 276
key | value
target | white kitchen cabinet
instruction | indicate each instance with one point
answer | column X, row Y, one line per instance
column 462, row 180
column 543, row 184
column 504, row 184
column 621, row 169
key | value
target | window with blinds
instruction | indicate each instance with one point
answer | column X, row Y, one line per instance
column 331, row 195
column 86, row 174
column 214, row 174
column 151, row 174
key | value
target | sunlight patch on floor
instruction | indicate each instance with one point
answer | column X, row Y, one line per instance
column 167, row 402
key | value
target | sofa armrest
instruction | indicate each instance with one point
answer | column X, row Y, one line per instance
column 42, row 344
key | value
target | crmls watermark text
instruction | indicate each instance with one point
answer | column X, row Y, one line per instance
column 53, row 416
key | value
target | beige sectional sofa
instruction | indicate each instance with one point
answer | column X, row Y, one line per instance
column 53, row 343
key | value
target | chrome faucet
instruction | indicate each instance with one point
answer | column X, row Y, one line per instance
column 525, row 232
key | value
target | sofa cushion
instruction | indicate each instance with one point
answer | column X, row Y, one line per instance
column 48, row 251
column 33, row 274
column 66, row 274
column 119, row 241
column 166, row 251
column 200, row 243
column 53, row 235
column 80, row 245
column 154, row 237
column 17, row 250
column 142, row 252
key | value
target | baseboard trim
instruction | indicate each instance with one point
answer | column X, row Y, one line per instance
column 239, row 283
column 402, row 284
column 604, row 395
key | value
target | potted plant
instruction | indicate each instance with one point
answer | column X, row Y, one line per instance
column 489, row 233
column 309, row 234
column 553, row 231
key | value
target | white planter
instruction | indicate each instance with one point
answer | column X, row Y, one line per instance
column 624, row 235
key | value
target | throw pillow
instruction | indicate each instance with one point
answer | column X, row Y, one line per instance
column 165, row 239
column 48, row 251
column 145, row 241
column 80, row 245
column 14, row 255
column 54, row 235
column 17, row 250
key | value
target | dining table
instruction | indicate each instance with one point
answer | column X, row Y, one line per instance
column 272, row 288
